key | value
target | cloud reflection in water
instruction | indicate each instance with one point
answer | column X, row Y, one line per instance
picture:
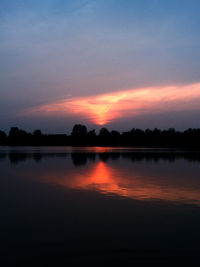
column 116, row 181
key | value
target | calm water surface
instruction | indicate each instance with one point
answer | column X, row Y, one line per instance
column 99, row 206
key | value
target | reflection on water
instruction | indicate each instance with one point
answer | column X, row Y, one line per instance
column 127, row 207
column 136, row 184
column 139, row 175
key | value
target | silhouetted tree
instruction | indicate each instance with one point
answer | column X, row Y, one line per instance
column 38, row 138
column 115, row 134
column 189, row 138
column 104, row 136
column 19, row 137
column 79, row 131
column 14, row 132
column 115, row 138
column 91, row 137
column 79, row 134
column 104, row 132
column 37, row 133
column 3, row 137
column 91, row 134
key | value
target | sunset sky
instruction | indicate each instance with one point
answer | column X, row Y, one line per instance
column 104, row 63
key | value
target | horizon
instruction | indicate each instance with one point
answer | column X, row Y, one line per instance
column 97, row 130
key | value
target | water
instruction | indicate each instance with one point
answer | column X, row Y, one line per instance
column 99, row 206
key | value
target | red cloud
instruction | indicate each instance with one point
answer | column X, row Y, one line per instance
column 101, row 109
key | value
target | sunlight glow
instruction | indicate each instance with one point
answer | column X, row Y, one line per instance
column 103, row 178
column 102, row 109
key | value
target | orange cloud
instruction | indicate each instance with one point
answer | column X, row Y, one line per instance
column 102, row 109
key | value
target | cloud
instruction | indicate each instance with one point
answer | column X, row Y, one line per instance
column 105, row 108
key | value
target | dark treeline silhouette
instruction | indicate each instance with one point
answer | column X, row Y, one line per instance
column 80, row 136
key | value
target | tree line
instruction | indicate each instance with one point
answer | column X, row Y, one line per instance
column 80, row 136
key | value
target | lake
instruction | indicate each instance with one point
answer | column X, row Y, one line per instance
column 64, row 206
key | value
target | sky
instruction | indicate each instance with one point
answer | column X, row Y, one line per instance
column 104, row 63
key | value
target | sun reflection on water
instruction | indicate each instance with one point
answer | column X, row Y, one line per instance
column 105, row 179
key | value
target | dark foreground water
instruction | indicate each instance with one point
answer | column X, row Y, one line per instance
column 99, row 207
